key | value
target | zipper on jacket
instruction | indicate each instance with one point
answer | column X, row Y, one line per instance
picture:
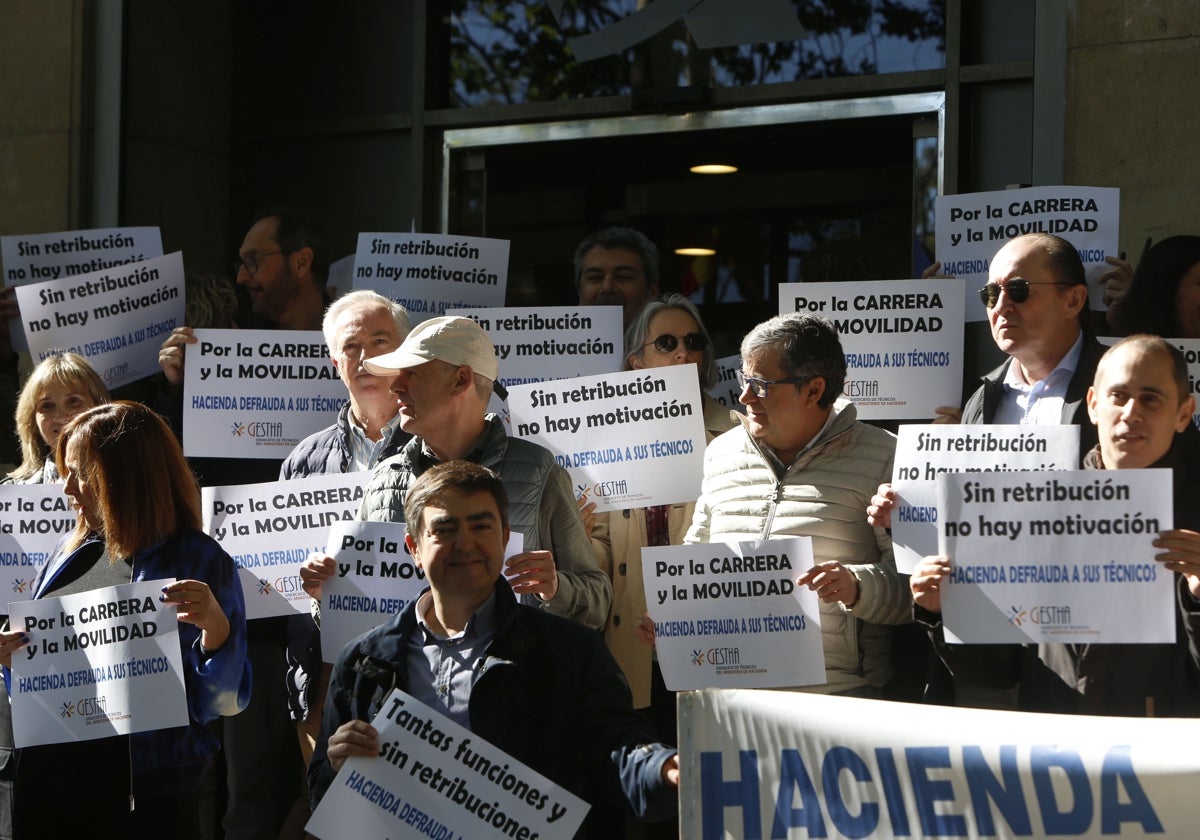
column 774, row 505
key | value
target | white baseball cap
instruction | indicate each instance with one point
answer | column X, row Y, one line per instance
column 458, row 341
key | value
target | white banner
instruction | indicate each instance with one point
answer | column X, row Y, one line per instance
column 100, row 663
column 434, row 778
column 628, row 439
column 269, row 530
column 428, row 273
column 726, row 391
column 115, row 318
column 925, row 452
column 770, row 764
column 36, row 257
column 1056, row 557
column 729, row 615
column 257, row 393
column 903, row 341
column 35, row 518
column 972, row 227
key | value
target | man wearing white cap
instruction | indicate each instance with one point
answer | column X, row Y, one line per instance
column 443, row 377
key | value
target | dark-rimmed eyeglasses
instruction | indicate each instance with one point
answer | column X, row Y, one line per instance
column 761, row 387
column 666, row 343
column 1017, row 290
column 250, row 262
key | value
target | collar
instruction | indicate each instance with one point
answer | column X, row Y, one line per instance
column 481, row 622
column 1065, row 369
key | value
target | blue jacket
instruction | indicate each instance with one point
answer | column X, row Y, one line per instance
column 549, row 694
column 169, row 761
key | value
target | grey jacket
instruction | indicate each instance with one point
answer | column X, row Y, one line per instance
column 541, row 507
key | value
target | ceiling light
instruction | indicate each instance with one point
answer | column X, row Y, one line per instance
column 714, row 169
column 695, row 252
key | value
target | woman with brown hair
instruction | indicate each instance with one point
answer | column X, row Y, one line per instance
column 138, row 519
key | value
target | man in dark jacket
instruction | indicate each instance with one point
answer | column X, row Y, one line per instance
column 1141, row 403
column 542, row 689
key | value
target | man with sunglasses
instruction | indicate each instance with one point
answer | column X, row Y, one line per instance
column 801, row 464
column 1037, row 307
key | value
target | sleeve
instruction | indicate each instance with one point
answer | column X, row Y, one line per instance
column 221, row 682
column 700, row 530
column 584, row 591
column 337, row 711
column 1189, row 612
column 622, row 755
column 883, row 593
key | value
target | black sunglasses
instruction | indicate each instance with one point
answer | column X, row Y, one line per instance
column 696, row 342
column 1017, row 290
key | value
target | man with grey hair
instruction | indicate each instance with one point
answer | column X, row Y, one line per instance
column 358, row 326
column 801, row 464
column 617, row 266
column 442, row 377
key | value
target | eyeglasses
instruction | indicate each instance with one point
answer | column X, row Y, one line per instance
column 760, row 387
column 696, row 342
column 250, row 262
column 1017, row 290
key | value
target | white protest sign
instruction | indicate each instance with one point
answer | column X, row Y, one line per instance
column 1190, row 347
column 115, row 318
column 537, row 344
column 269, row 530
column 794, row 765
column 428, row 273
column 726, row 391
column 925, row 452
column 99, row 663
column 35, row 518
column 407, row 790
column 729, row 615
column 376, row 578
column 628, row 439
column 1056, row 557
column 257, row 393
column 972, row 227
column 903, row 341
column 51, row 256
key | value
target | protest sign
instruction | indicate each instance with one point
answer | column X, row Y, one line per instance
column 35, row 257
column 729, row 615
column 428, row 273
column 99, row 663
column 537, row 344
column 434, row 778
column 726, row 391
column 1056, row 557
column 376, row 578
column 795, row 765
column 115, row 318
column 33, row 519
column 972, row 227
column 628, row 439
column 925, row 452
column 269, row 530
column 903, row 341
column 1190, row 347
column 257, row 393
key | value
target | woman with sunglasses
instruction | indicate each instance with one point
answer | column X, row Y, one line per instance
column 667, row 331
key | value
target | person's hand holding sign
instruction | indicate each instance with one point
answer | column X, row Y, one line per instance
column 532, row 573
column 198, row 606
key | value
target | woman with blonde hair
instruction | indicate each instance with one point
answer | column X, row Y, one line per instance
column 60, row 387
column 138, row 519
